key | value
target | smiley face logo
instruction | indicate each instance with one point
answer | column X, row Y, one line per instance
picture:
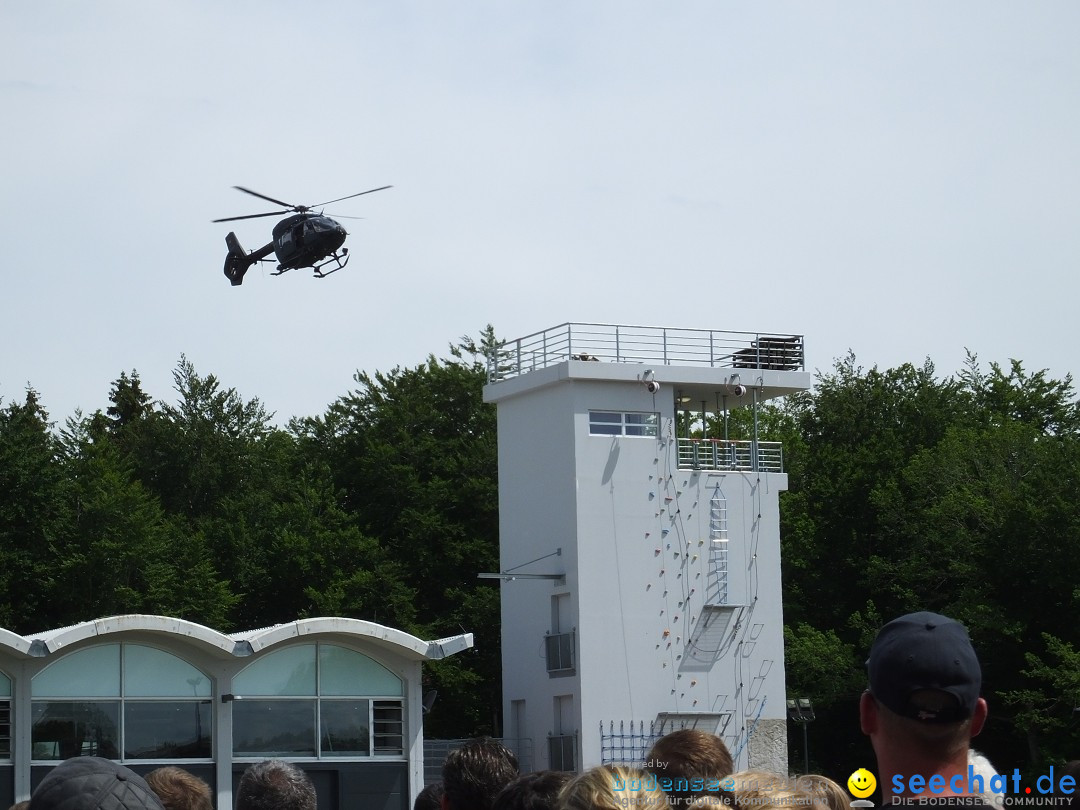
column 861, row 783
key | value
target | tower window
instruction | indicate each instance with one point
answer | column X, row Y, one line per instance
column 623, row 423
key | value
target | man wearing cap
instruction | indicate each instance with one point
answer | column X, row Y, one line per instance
column 93, row 783
column 923, row 707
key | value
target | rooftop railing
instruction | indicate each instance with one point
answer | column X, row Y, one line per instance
column 646, row 344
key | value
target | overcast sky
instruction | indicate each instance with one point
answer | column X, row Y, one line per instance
column 901, row 179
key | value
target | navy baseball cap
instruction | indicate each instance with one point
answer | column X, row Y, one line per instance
column 921, row 654
column 93, row 783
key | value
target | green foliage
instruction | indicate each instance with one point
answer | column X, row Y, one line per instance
column 819, row 663
column 959, row 496
column 34, row 512
column 413, row 453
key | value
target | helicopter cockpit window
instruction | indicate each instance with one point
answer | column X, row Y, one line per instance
column 321, row 226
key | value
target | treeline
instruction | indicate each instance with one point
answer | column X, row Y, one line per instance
column 907, row 492
column 959, row 495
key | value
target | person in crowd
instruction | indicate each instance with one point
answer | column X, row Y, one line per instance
column 978, row 764
column 532, row 791
column 689, row 763
column 93, row 783
column 825, row 791
column 923, row 707
column 180, row 790
column 1067, row 800
column 430, row 797
column 474, row 774
column 275, row 785
column 612, row 787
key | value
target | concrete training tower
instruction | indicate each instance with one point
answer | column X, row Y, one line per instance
column 640, row 560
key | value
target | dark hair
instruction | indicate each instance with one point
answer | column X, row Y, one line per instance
column 1070, row 768
column 430, row 798
column 474, row 773
column 685, row 755
column 533, row 791
column 275, row 785
column 180, row 790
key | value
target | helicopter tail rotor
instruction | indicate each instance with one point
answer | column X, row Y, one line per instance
column 237, row 261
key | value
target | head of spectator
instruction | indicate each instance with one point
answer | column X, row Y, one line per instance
column 1071, row 768
column 979, row 765
column 760, row 790
column 923, row 706
column 474, row 774
column 430, row 798
column 532, row 791
column 180, row 790
column 275, row 785
column 93, row 783
column 612, row 787
column 690, row 763
column 827, row 793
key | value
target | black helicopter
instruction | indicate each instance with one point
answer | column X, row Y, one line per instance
column 306, row 239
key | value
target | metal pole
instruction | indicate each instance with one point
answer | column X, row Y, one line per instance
column 806, row 749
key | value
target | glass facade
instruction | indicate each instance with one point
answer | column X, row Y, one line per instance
column 318, row 700
column 121, row 701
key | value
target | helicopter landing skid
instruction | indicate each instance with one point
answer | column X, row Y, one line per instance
column 339, row 260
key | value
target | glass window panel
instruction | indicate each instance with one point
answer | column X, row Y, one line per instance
column 167, row 729
column 282, row 728
column 5, row 685
column 61, row 729
column 605, row 430
column 149, row 672
column 345, row 728
column 285, row 672
column 641, row 424
column 605, row 416
column 93, row 672
column 347, row 672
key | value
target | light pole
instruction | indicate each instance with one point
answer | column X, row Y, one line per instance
column 801, row 711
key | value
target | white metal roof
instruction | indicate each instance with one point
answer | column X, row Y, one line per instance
column 235, row 644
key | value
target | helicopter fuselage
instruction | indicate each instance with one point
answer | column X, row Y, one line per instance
column 303, row 240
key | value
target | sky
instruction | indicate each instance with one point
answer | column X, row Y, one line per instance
column 896, row 179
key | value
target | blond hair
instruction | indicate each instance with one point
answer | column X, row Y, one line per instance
column 180, row 790
column 612, row 787
column 828, row 792
column 760, row 790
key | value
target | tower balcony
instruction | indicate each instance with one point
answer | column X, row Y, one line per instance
column 730, row 455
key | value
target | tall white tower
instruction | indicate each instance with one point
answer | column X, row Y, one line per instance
column 640, row 563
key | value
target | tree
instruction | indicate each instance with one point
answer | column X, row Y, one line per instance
column 34, row 512
column 414, row 454
column 956, row 495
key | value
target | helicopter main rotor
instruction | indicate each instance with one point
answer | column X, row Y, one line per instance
column 290, row 208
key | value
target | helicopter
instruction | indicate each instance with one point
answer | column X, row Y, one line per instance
column 305, row 239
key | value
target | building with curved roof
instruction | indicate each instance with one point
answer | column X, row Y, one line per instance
column 340, row 697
